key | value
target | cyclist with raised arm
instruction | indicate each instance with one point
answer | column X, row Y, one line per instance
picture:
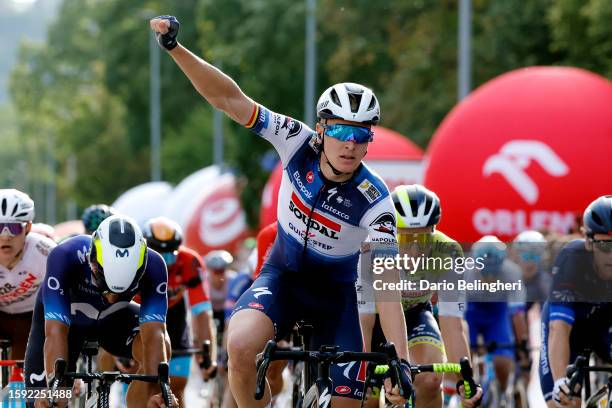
column 418, row 211
column 23, row 261
column 86, row 296
column 328, row 204
column 185, row 282
column 577, row 317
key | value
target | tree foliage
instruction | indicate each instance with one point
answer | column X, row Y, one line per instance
column 85, row 93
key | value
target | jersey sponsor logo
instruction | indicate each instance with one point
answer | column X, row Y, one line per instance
column 294, row 126
column 311, row 242
column 516, row 156
column 310, row 177
column 385, row 222
column 342, row 390
column 82, row 254
column 303, row 189
column 121, row 253
column 370, row 191
column 277, row 124
column 334, row 211
column 256, row 305
column 25, row 289
column 261, row 292
column 317, row 222
column 43, row 248
column 162, row 288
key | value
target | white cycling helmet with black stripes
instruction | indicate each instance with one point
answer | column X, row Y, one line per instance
column 15, row 206
column 118, row 255
column 349, row 101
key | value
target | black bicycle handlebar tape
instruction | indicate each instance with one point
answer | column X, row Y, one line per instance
column 262, row 368
column 576, row 373
column 164, row 383
column 206, row 360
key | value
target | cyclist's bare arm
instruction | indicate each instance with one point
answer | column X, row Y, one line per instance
column 203, row 329
column 56, row 343
column 558, row 347
column 393, row 323
column 217, row 88
column 455, row 340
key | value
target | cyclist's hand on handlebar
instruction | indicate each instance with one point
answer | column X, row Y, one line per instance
column 562, row 395
column 166, row 30
column 393, row 392
column 157, row 401
column 472, row 402
column 210, row 372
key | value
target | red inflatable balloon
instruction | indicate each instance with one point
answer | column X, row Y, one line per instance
column 527, row 150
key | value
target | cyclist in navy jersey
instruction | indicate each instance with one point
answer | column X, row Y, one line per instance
column 329, row 203
column 86, row 296
column 578, row 314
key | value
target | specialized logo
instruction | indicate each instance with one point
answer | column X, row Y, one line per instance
column 34, row 378
column 302, row 187
column 385, row 222
column 342, row 390
column 325, row 398
column 261, row 292
column 331, row 192
column 515, row 157
column 317, row 222
column 121, row 253
column 370, row 192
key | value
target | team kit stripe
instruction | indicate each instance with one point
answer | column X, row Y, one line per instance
column 253, row 120
column 315, row 216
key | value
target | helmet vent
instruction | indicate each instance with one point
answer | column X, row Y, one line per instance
column 4, row 206
column 372, row 103
column 15, row 208
column 428, row 203
column 398, row 206
column 334, row 96
column 355, row 101
column 597, row 219
column 414, row 207
column 121, row 234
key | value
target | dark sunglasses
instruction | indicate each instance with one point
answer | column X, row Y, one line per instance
column 12, row 228
column 349, row 133
column 603, row 245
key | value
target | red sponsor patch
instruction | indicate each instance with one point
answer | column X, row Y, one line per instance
column 256, row 305
column 310, row 176
column 342, row 390
column 315, row 216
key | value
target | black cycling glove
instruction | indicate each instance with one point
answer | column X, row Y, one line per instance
column 168, row 40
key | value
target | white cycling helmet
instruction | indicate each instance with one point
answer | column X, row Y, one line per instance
column 534, row 237
column 15, row 206
column 118, row 254
column 349, row 101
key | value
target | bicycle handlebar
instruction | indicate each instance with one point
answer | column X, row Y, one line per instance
column 108, row 377
column 328, row 354
column 577, row 372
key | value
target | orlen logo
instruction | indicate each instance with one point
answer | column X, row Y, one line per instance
column 515, row 156
column 222, row 220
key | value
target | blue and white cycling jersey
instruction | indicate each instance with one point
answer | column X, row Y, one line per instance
column 321, row 223
column 70, row 296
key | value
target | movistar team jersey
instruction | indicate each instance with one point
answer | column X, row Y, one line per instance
column 321, row 223
column 444, row 250
column 578, row 294
column 70, row 296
